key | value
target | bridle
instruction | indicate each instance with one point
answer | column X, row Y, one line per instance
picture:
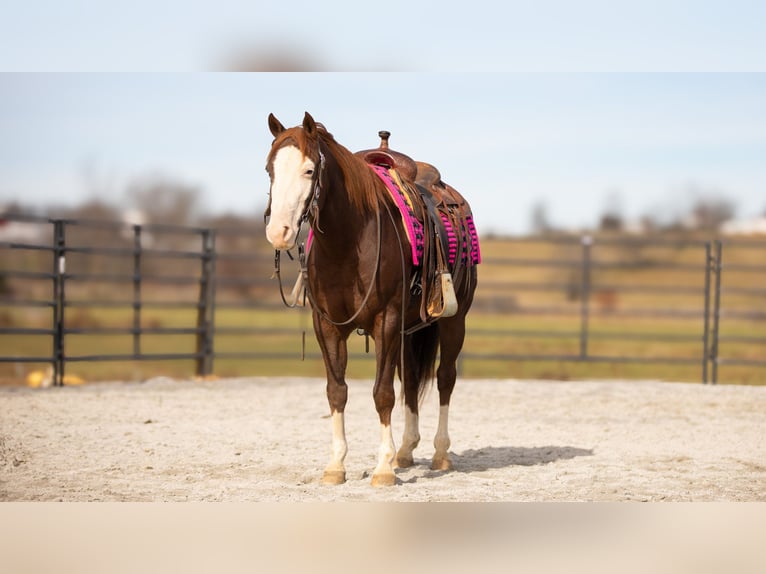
column 310, row 213
column 311, row 206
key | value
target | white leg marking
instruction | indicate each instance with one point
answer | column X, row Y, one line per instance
column 410, row 439
column 335, row 471
column 384, row 471
column 441, row 441
column 339, row 444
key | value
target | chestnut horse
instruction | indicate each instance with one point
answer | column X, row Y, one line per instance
column 357, row 277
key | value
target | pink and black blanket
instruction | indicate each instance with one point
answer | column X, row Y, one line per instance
column 471, row 252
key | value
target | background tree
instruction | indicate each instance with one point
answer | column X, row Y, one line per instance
column 165, row 200
column 709, row 213
column 540, row 220
column 612, row 218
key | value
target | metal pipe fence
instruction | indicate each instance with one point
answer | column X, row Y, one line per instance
column 705, row 289
column 711, row 287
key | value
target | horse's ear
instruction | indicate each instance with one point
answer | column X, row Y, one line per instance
column 275, row 125
column 309, row 125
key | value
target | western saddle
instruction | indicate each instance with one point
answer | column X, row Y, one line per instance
column 436, row 205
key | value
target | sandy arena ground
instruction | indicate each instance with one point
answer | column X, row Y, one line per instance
column 269, row 439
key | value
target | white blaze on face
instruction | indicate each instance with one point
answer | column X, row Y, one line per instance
column 290, row 189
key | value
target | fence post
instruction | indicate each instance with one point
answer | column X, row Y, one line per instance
column 59, row 269
column 587, row 242
column 136, row 291
column 716, row 309
column 206, row 308
column 709, row 263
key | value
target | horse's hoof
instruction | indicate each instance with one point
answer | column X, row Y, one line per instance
column 334, row 477
column 441, row 464
column 384, row 479
column 403, row 462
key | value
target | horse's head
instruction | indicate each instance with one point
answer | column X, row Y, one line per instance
column 293, row 165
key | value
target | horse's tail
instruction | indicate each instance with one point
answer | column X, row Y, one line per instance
column 424, row 346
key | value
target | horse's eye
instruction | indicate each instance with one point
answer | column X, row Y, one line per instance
column 309, row 172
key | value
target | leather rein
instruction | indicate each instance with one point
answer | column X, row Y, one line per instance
column 311, row 214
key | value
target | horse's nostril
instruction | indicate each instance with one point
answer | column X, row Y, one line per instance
column 285, row 232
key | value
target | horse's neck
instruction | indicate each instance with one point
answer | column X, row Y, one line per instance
column 340, row 224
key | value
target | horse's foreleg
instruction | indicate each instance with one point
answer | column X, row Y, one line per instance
column 335, row 355
column 383, row 475
column 335, row 471
column 387, row 354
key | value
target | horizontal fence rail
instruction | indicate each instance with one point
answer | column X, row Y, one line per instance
column 579, row 296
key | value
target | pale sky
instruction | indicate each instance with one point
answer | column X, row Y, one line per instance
column 572, row 141
column 645, row 106
column 449, row 35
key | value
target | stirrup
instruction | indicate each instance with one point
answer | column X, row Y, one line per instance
column 443, row 302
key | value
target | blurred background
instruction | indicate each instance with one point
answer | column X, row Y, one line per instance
column 604, row 119
column 618, row 122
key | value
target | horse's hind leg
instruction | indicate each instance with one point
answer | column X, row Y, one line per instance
column 452, row 335
column 411, row 435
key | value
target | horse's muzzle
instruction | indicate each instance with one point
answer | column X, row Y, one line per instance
column 282, row 237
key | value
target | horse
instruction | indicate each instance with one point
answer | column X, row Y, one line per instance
column 358, row 277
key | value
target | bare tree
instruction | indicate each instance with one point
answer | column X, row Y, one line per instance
column 541, row 223
column 612, row 219
column 94, row 209
column 693, row 208
column 164, row 200
column 709, row 213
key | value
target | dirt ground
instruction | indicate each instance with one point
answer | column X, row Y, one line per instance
column 260, row 439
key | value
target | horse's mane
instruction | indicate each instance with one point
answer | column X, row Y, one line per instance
column 363, row 187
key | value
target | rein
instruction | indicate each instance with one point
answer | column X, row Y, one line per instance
column 304, row 279
column 322, row 314
column 311, row 213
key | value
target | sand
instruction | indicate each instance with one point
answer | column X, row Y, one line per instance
column 259, row 439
